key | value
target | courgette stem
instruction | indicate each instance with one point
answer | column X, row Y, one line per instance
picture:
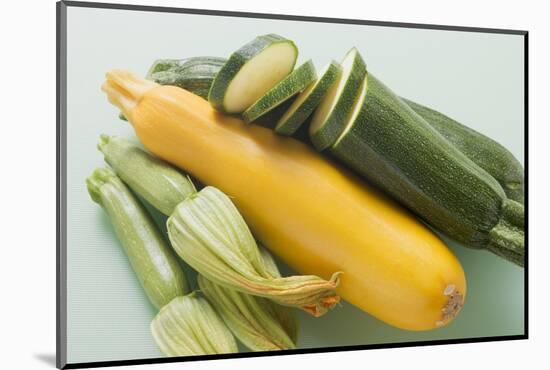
column 506, row 238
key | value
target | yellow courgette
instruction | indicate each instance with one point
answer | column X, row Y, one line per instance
column 315, row 215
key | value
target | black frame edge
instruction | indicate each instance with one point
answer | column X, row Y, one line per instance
column 61, row 265
column 526, row 176
column 164, row 360
column 61, row 268
column 227, row 13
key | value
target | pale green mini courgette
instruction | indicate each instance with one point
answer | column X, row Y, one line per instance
column 152, row 259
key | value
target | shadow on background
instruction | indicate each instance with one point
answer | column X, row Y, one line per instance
column 47, row 358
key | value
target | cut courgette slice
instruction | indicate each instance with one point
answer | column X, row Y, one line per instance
column 307, row 101
column 335, row 108
column 251, row 71
column 291, row 85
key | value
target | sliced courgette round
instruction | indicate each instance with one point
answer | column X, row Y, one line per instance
column 291, row 85
column 338, row 102
column 307, row 101
column 252, row 71
column 357, row 117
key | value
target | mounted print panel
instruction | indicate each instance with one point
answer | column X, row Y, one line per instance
column 235, row 184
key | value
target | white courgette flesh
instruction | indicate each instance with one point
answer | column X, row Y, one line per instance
column 291, row 85
column 338, row 102
column 251, row 71
column 307, row 101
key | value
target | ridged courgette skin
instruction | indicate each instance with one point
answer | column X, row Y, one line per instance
column 397, row 150
column 482, row 150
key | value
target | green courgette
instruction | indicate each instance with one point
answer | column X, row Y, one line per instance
column 288, row 87
column 483, row 151
column 307, row 101
column 389, row 144
column 338, row 101
column 159, row 183
column 152, row 259
column 252, row 71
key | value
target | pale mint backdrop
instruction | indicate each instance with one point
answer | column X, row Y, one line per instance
column 476, row 78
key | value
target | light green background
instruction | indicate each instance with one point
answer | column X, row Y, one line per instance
column 476, row 78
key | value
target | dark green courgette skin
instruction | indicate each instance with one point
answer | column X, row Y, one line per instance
column 483, row 151
column 393, row 147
